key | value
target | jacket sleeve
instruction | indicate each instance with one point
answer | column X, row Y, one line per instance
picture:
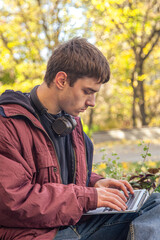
column 24, row 204
column 94, row 178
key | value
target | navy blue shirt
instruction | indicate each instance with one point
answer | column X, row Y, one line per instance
column 64, row 150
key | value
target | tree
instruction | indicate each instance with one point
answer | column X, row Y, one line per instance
column 29, row 30
column 128, row 31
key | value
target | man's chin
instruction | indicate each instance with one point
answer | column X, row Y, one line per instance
column 75, row 114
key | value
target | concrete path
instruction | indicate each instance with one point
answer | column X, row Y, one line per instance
column 125, row 144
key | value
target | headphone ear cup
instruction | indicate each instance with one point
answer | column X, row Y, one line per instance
column 72, row 121
column 64, row 125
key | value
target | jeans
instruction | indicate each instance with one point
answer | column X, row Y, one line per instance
column 147, row 225
column 143, row 225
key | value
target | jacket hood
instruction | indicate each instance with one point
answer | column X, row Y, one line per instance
column 12, row 97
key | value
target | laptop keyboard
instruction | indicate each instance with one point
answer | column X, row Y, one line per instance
column 130, row 203
column 131, row 199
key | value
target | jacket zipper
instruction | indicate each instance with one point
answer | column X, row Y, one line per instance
column 74, row 175
column 85, row 156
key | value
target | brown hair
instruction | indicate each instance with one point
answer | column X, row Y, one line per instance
column 77, row 58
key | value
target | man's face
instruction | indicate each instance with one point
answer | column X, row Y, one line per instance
column 80, row 96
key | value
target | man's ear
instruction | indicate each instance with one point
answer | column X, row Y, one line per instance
column 60, row 80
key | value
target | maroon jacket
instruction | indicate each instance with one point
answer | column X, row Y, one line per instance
column 33, row 200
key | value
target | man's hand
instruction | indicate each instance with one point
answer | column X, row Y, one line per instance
column 109, row 196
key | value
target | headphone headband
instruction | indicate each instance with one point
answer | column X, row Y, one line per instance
column 62, row 125
column 35, row 100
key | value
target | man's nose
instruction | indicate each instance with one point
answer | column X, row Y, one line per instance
column 91, row 101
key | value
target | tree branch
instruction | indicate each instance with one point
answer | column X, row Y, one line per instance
column 153, row 45
column 28, row 28
column 5, row 42
column 45, row 27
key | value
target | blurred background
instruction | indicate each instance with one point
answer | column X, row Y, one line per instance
column 126, row 31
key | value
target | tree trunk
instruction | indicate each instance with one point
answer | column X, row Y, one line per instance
column 141, row 102
column 134, row 99
column 141, row 93
column 138, row 95
column 134, row 108
column 90, row 122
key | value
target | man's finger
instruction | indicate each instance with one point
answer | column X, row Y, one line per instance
column 118, row 193
column 115, row 197
column 129, row 187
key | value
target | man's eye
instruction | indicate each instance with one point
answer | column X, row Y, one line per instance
column 87, row 92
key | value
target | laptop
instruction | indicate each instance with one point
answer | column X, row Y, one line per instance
column 134, row 203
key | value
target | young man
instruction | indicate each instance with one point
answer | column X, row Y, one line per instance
column 46, row 183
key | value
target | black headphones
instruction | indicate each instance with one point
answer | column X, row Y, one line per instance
column 62, row 125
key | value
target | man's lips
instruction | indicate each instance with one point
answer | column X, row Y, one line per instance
column 83, row 109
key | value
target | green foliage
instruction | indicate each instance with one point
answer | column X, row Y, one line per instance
column 6, row 77
column 144, row 177
column 141, row 174
column 128, row 34
column 86, row 129
column 113, row 168
column 29, row 30
column 145, row 149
